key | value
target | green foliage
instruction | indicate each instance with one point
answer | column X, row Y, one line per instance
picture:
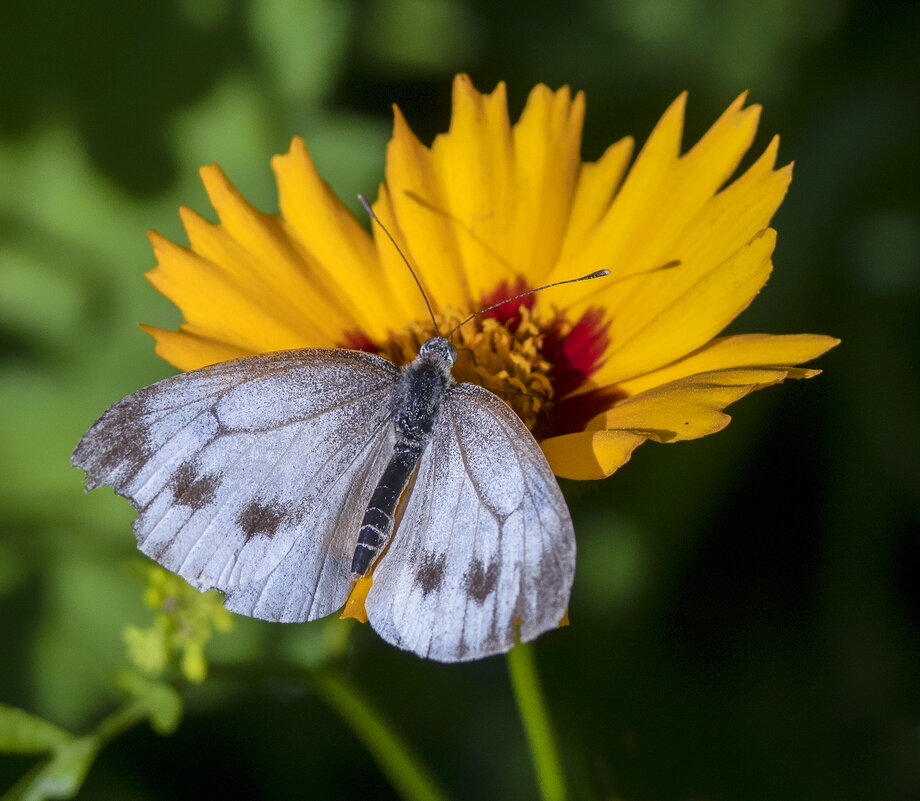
column 160, row 703
column 22, row 733
column 60, row 775
column 756, row 656
column 68, row 758
column 185, row 621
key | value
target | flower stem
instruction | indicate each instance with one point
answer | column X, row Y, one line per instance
column 392, row 754
column 531, row 705
column 118, row 722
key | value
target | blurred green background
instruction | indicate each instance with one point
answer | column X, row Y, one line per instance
column 746, row 612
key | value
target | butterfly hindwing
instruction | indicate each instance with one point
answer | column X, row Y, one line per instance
column 485, row 539
column 247, row 475
column 314, row 577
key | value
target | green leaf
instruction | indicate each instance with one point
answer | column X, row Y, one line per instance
column 24, row 733
column 163, row 705
column 60, row 776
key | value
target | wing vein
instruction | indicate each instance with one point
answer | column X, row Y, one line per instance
column 306, row 487
column 224, row 391
column 265, row 477
column 161, row 447
column 370, row 443
column 217, row 511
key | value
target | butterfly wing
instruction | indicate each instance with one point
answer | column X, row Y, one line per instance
column 485, row 540
column 241, row 470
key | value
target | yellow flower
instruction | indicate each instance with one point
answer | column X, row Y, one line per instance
column 492, row 209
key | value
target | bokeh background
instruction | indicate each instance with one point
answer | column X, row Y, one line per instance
column 746, row 614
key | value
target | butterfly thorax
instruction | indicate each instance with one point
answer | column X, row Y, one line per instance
column 423, row 386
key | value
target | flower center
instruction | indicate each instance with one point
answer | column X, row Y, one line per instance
column 539, row 362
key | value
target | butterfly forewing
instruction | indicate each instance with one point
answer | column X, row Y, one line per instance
column 485, row 539
column 247, row 475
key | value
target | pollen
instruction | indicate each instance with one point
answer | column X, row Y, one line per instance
column 506, row 359
column 532, row 358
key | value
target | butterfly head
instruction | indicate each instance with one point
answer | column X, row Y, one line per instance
column 439, row 349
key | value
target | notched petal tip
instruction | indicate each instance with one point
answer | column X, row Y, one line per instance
column 737, row 105
column 297, row 158
column 463, row 85
column 462, row 80
column 221, row 191
column 213, row 177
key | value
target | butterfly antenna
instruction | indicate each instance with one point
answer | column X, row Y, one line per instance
column 596, row 274
column 376, row 219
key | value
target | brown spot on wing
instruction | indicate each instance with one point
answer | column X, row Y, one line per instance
column 259, row 518
column 430, row 572
column 480, row 582
column 191, row 489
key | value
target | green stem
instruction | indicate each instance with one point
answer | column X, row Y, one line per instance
column 392, row 754
column 532, row 708
column 125, row 717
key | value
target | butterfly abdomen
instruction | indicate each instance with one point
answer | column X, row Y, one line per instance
column 423, row 385
column 377, row 524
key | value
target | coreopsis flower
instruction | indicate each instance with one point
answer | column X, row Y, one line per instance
column 491, row 209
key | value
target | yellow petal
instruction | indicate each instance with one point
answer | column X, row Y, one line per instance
column 732, row 217
column 488, row 202
column 590, row 455
column 597, row 183
column 228, row 305
column 547, row 157
column 247, row 280
column 725, row 225
column 354, row 606
column 688, row 408
column 663, row 192
column 669, row 324
column 744, row 350
column 260, row 247
column 428, row 238
column 189, row 351
column 473, row 162
column 408, row 302
column 346, row 259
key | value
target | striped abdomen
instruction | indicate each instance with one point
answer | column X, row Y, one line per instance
column 423, row 385
column 377, row 524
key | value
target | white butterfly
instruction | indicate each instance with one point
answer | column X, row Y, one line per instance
column 277, row 479
column 256, row 477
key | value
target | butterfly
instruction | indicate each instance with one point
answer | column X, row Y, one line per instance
column 281, row 479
